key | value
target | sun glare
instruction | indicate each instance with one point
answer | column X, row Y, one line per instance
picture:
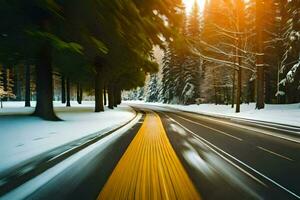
column 189, row 4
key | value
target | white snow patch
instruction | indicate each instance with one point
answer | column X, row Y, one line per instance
column 23, row 137
column 83, row 157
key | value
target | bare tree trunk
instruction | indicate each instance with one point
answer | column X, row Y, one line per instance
column 240, row 18
column 260, row 88
column 233, row 89
column 27, row 85
column 104, row 95
column 239, row 91
column 260, row 101
column 215, row 87
column 68, row 93
column 63, row 89
column 111, row 101
column 17, row 85
column 79, row 93
column 99, row 107
column 44, row 85
column 117, row 96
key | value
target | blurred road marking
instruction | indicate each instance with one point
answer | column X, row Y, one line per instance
column 218, row 151
column 276, row 154
column 149, row 169
column 259, row 130
column 219, row 131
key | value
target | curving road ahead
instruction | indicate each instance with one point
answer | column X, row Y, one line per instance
column 169, row 154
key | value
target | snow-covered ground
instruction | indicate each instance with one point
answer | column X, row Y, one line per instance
column 288, row 114
column 22, row 137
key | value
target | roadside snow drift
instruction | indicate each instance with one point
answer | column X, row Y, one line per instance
column 23, row 137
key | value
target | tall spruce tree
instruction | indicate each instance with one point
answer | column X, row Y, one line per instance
column 192, row 65
column 153, row 89
column 289, row 68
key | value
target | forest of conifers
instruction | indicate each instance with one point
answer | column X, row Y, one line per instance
column 94, row 45
column 232, row 51
column 229, row 52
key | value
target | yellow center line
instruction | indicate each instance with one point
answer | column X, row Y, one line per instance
column 149, row 169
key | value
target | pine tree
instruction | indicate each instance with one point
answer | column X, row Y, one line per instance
column 224, row 44
column 153, row 89
column 167, row 89
column 6, row 89
column 191, row 66
column 180, row 82
column 10, row 85
column 289, row 69
column 173, row 65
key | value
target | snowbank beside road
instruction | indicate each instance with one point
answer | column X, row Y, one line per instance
column 288, row 114
column 22, row 137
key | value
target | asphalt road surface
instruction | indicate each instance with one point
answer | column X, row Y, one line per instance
column 180, row 155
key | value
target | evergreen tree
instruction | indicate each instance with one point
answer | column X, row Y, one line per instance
column 6, row 88
column 176, row 78
column 153, row 89
column 192, row 65
column 167, row 79
column 9, row 85
column 289, row 68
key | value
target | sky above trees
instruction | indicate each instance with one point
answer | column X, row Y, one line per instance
column 189, row 4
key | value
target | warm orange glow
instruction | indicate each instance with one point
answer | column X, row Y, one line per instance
column 189, row 4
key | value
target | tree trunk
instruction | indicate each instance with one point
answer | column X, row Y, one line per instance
column 104, row 95
column 240, row 22
column 215, row 88
column 260, row 101
column 119, row 97
column 268, row 86
column 260, row 104
column 27, row 85
column 17, row 85
column 239, row 91
column 68, row 93
column 79, row 93
column 239, row 80
column 111, row 101
column 63, row 89
column 116, row 96
column 233, row 90
column 44, row 85
column 5, row 81
column 99, row 107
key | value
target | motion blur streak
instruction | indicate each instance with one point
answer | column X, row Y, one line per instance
column 149, row 169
